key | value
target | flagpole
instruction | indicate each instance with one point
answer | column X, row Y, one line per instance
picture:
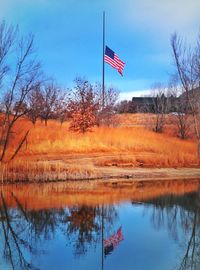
column 103, row 104
column 102, row 229
column 103, row 71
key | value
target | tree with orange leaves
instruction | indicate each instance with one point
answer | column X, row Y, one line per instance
column 83, row 107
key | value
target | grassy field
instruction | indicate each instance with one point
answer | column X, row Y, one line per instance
column 129, row 144
column 57, row 140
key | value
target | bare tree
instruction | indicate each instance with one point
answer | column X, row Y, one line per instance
column 18, row 78
column 107, row 112
column 180, row 108
column 7, row 37
column 49, row 101
column 62, row 108
column 159, row 106
column 34, row 104
column 187, row 65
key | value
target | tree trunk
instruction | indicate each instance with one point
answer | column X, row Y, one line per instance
column 19, row 146
column 198, row 148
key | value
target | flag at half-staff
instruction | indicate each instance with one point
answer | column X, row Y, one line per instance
column 113, row 59
column 113, row 241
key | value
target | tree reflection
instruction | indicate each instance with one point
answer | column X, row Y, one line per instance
column 181, row 216
column 14, row 242
column 84, row 226
column 24, row 230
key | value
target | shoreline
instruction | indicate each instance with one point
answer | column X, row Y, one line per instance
column 104, row 174
column 82, row 167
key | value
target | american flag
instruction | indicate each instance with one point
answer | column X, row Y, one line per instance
column 113, row 241
column 112, row 59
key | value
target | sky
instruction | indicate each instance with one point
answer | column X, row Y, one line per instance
column 68, row 37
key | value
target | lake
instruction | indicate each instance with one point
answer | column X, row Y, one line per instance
column 152, row 225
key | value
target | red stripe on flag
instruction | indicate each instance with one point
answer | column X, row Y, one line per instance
column 110, row 61
column 116, row 63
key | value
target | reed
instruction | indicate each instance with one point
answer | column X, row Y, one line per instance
column 29, row 171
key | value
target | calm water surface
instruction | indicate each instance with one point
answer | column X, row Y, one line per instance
column 158, row 232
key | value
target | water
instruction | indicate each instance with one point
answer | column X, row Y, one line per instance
column 156, row 226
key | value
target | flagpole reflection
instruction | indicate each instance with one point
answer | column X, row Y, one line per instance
column 102, row 231
column 111, row 242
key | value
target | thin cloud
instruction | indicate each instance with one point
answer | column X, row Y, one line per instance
column 129, row 95
column 163, row 16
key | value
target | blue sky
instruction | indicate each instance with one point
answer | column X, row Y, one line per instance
column 68, row 37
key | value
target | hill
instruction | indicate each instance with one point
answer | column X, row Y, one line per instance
column 71, row 155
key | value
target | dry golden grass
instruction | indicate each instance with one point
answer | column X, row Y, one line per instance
column 151, row 148
column 44, row 171
column 128, row 145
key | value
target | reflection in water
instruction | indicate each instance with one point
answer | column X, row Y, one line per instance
column 29, row 231
column 24, row 230
column 13, row 239
column 84, row 226
column 113, row 241
column 181, row 216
